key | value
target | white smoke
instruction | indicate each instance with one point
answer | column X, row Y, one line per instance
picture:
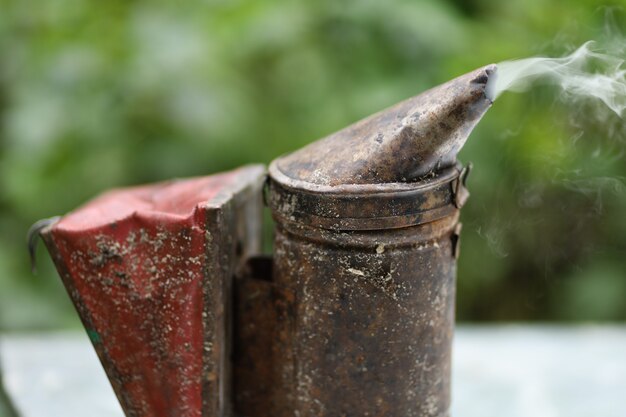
column 585, row 73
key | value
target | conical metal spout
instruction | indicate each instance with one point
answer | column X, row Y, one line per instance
column 403, row 143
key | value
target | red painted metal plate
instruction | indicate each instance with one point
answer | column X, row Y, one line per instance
column 143, row 266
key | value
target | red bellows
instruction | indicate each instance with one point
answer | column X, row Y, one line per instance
column 150, row 270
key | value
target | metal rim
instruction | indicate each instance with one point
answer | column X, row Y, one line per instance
column 365, row 206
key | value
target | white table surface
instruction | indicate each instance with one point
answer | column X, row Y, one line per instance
column 504, row 371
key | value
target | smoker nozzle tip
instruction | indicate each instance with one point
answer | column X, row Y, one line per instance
column 491, row 72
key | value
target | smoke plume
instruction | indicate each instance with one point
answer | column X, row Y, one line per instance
column 585, row 73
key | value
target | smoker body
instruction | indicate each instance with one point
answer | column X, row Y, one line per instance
column 372, row 331
column 372, row 272
column 363, row 281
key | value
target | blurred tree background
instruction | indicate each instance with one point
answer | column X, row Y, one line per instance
column 96, row 95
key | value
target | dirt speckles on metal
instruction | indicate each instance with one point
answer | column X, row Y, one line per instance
column 150, row 270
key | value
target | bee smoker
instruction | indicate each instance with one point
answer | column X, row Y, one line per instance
column 364, row 264
column 352, row 316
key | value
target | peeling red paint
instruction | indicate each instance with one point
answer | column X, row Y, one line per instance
column 140, row 266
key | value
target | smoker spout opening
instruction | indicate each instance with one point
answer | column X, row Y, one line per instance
column 490, row 86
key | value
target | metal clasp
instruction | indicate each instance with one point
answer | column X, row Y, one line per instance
column 266, row 190
column 459, row 190
column 32, row 238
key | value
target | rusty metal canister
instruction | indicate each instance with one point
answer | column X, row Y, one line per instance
column 373, row 308
column 364, row 263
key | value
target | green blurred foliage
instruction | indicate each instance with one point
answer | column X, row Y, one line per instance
column 96, row 95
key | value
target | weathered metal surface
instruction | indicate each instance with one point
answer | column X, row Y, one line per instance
column 366, row 245
column 368, row 207
column 373, row 320
column 150, row 270
column 401, row 144
column 263, row 316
